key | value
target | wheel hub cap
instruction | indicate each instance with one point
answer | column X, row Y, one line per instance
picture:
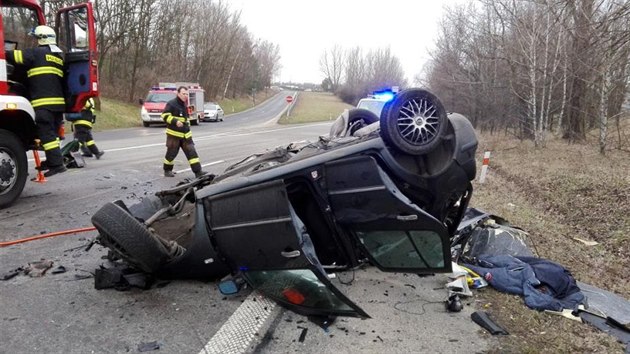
column 8, row 171
column 418, row 121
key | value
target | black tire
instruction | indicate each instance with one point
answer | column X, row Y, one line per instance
column 414, row 122
column 13, row 168
column 129, row 239
column 146, row 125
column 359, row 118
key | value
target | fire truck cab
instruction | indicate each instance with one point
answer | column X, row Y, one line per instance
column 153, row 105
column 76, row 36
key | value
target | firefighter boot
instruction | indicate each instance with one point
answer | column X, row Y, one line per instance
column 169, row 174
column 54, row 170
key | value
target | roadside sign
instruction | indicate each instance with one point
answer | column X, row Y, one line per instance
column 289, row 99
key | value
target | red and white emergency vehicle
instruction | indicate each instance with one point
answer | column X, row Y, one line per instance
column 77, row 38
column 157, row 97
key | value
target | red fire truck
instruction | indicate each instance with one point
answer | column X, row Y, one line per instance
column 77, row 38
column 157, row 97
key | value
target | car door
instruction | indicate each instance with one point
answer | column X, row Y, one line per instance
column 395, row 234
column 259, row 234
column 77, row 38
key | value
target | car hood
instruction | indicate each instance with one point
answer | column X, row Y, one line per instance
column 154, row 105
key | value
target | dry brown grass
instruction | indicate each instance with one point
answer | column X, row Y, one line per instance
column 558, row 193
column 315, row 107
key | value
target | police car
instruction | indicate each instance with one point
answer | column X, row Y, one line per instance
column 376, row 101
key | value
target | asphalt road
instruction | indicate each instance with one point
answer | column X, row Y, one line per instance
column 63, row 313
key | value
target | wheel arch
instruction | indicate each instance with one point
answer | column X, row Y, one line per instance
column 20, row 120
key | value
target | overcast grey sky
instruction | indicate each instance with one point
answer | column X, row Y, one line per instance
column 304, row 29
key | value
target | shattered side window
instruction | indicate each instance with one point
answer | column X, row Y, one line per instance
column 297, row 287
column 404, row 248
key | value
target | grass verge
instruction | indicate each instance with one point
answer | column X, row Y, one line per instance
column 556, row 194
column 315, row 107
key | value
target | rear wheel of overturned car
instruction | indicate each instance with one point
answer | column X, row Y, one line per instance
column 129, row 239
column 359, row 118
column 414, row 122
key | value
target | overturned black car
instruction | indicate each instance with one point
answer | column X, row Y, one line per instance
column 388, row 190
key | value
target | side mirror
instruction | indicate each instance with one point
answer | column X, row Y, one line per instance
column 140, row 101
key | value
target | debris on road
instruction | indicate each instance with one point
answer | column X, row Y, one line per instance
column 60, row 269
column 483, row 319
column 149, row 346
column 121, row 277
column 12, row 273
column 38, row 268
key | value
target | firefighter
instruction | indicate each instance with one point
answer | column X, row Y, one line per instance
column 83, row 131
column 178, row 134
column 44, row 70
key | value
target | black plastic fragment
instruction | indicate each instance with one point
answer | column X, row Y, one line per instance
column 12, row 273
column 59, row 270
column 607, row 326
column 106, row 278
column 483, row 319
column 145, row 347
column 303, row 335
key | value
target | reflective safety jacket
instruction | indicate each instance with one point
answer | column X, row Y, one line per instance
column 87, row 114
column 44, row 69
column 176, row 110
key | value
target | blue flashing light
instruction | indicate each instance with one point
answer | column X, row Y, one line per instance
column 384, row 96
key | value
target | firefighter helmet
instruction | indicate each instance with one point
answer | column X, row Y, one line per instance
column 45, row 35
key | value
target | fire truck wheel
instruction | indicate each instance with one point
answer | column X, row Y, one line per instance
column 13, row 168
column 129, row 239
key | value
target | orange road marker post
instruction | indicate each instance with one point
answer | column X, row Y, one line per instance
column 40, row 175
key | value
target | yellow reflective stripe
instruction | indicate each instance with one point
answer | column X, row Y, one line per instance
column 167, row 162
column 194, row 160
column 181, row 119
column 18, row 57
column 174, row 133
column 51, row 145
column 89, row 105
column 47, row 101
column 90, row 143
column 167, row 117
column 44, row 70
column 83, row 122
column 188, row 135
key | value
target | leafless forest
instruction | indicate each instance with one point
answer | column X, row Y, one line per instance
column 530, row 67
column 143, row 42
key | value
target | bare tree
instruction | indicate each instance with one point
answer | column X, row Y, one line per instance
column 331, row 64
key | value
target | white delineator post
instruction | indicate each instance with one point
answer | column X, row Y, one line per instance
column 484, row 166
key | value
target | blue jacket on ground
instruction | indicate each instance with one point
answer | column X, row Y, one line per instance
column 545, row 285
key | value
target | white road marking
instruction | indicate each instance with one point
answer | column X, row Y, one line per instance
column 205, row 137
column 239, row 330
column 203, row 165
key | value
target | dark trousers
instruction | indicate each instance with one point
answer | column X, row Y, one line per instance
column 172, row 148
column 48, row 124
column 83, row 134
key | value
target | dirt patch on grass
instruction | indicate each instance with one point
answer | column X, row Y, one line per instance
column 557, row 194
